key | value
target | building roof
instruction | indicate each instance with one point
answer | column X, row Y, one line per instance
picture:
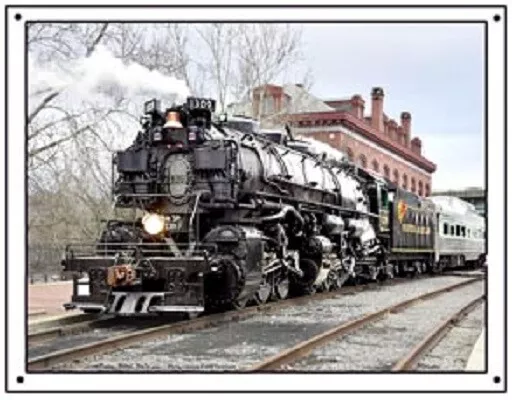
column 358, row 125
column 453, row 205
column 470, row 192
column 301, row 106
column 303, row 101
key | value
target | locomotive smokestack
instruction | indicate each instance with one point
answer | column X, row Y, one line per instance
column 378, row 108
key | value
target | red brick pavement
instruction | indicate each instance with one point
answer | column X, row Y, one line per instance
column 49, row 297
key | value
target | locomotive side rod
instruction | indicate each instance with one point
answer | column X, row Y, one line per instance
column 303, row 349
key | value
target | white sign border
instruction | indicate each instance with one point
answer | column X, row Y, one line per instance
column 346, row 382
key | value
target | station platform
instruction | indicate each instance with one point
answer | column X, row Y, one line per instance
column 476, row 361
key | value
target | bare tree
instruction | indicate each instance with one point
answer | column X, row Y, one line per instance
column 70, row 139
column 264, row 52
column 238, row 57
column 69, row 180
column 56, row 42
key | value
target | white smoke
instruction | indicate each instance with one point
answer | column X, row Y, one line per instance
column 103, row 74
column 319, row 147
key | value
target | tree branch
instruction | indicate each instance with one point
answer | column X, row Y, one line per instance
column 97, row 40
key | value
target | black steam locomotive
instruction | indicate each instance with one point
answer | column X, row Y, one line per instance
column 226, row 215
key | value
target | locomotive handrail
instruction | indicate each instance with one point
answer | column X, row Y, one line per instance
column 324, row 205
column 77, row 250
column 191, row 219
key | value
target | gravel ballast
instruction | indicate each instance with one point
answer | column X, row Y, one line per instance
column 379, row 345
column 238, row 345
column 452, row 353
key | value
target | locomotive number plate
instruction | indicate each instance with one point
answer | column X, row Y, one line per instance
column 195, row 103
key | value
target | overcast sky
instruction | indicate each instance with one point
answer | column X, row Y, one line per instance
column 434, row 71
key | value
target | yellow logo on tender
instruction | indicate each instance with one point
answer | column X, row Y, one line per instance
column 411, row 228
column 402, row 210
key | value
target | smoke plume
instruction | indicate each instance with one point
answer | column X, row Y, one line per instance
column 105, row 75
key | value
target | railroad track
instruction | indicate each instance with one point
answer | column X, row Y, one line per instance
column 473, row 274
column 124, row 340
column 303, row 349
column 53, row 340
column 77, row 324
column 58, row 321
column 37, row 336
column 409, row 361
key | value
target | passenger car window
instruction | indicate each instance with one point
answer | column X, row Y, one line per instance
column 452, row 230
column 445, row 228
column 457, row 230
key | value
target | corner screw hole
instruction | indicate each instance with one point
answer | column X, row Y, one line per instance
column 497, row 17
column 497, row 379
column 20, row 379
column 17, row 16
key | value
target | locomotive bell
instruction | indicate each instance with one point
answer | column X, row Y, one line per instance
column 173, row 120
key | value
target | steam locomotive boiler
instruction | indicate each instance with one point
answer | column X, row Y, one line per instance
column 228, row 216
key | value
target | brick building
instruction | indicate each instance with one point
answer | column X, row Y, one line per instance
column 375, row 142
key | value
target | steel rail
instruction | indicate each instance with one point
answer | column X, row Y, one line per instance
column 124, row 340
column 465, row 274
column 59, row 320
column 302, row 349
column 39, row 336
column 435, row 336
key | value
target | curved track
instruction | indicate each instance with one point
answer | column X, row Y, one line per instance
column 303, row 349
column 409, row 361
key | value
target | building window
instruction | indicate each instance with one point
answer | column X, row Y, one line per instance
column 404, row 181
column 268, row 105
column 427, row 189
column 362, row 160
column 395, row 177
column 386, row 171
column 375, row 166
column 420, row 188
column 350, row 154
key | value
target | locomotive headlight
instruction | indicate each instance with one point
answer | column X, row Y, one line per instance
column 153, row 223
